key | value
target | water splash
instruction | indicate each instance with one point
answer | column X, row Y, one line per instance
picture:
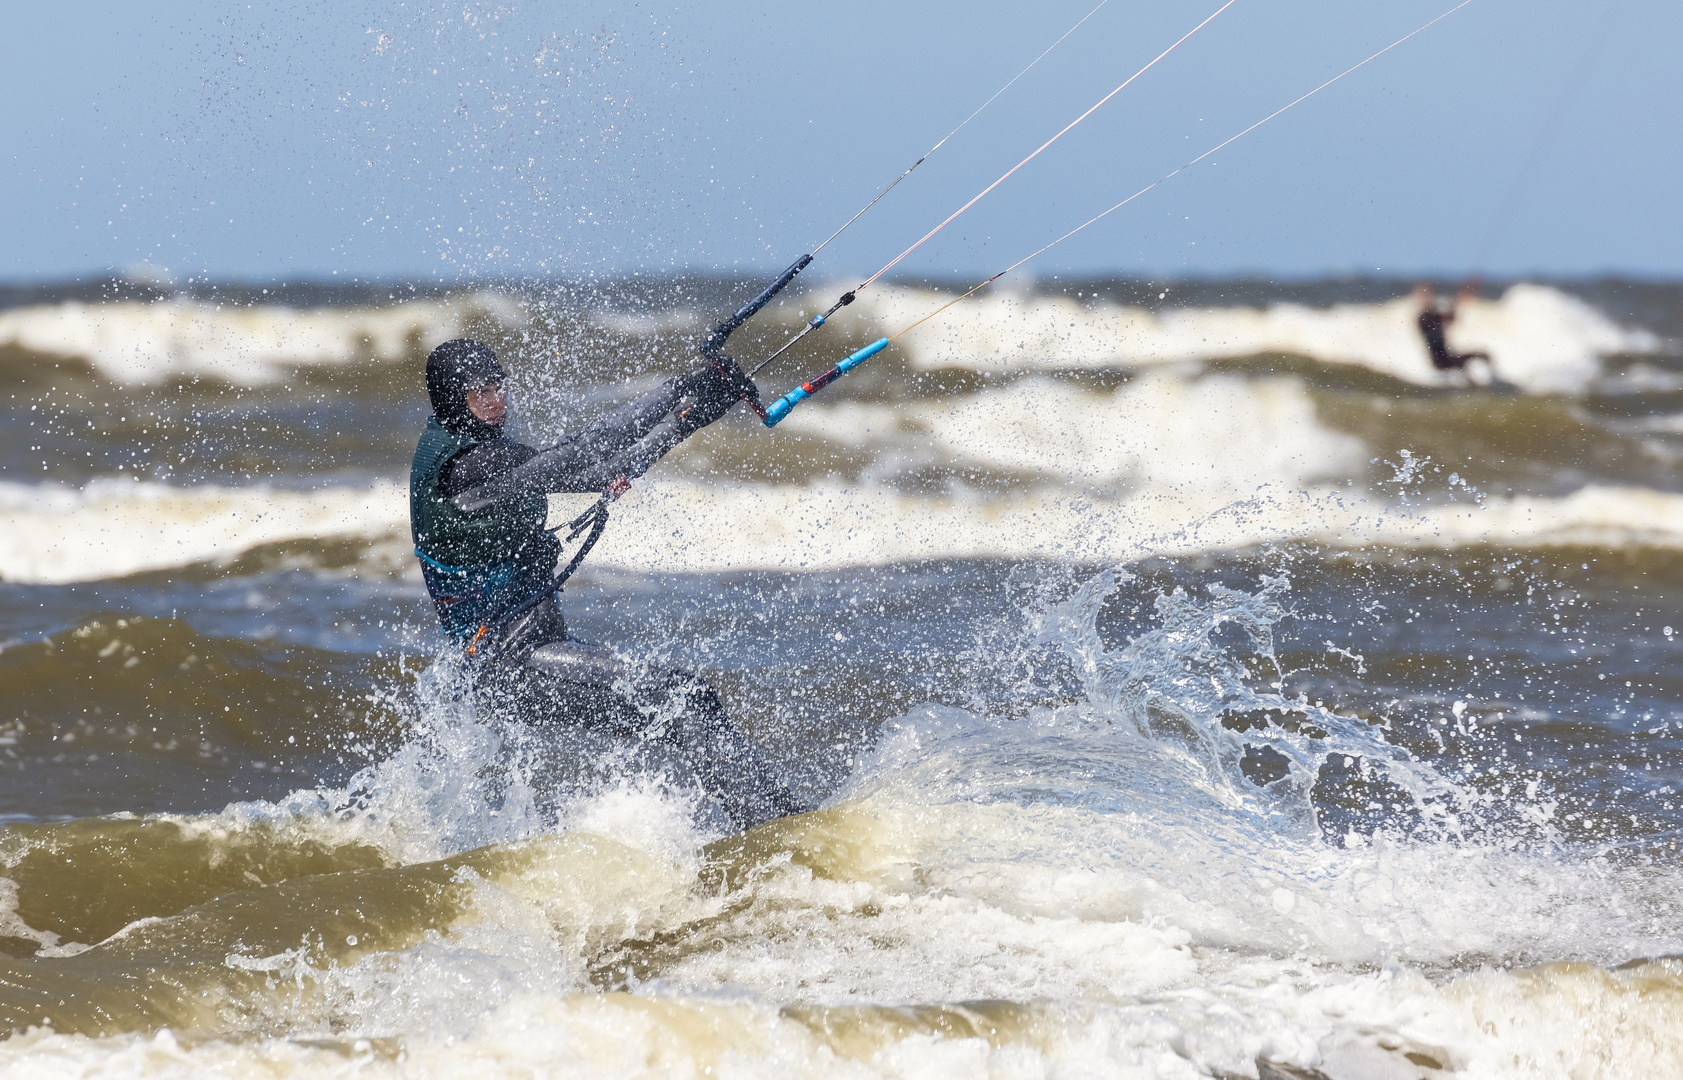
column 465, row 777
column 456, row 782
column 1207, row 680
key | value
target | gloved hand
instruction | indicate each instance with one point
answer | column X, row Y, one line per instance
column 732, row 375
column 708, row 397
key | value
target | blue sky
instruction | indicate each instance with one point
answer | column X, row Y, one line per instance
column 312, row 140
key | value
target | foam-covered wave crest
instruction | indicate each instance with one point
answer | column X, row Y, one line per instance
column 111, row 531
column 675, row 526
column 111, row 528
column 1152, row 432
column 1539, row 338
column 131, row 341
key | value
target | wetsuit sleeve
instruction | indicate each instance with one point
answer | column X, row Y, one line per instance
column 693, row 414
column 476, row 465
column 624, row 443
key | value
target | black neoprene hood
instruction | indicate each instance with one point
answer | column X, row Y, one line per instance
column 453, row 369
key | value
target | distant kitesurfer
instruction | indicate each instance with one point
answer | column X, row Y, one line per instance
column 1436, row 313
column 477, row 510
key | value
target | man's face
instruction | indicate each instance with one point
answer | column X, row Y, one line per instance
column 488, row 403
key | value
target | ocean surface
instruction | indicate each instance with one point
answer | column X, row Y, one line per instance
column 1191, row 683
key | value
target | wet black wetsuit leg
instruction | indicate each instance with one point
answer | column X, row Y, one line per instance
column 567, row 683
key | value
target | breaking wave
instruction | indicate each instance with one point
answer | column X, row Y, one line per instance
column 112, row 528
column 1079, row 870
column 131, row 341
column 1540, row 339
column 675, row 526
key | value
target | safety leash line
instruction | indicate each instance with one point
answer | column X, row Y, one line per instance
column 597, row 519
column 1169, row 176
column 812, row 324
column 956, row 130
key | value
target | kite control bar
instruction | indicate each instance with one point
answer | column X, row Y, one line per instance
column 715, row 340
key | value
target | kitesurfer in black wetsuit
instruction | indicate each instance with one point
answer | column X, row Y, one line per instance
column 477, row 511
column 1435, row 316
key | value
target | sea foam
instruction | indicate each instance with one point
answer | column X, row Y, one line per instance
column 110, row 528
column 1542, row 339
column 113, row 529
column 130, row 341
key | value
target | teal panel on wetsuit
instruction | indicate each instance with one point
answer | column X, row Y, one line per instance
column 475, row 565
column 455, row 537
